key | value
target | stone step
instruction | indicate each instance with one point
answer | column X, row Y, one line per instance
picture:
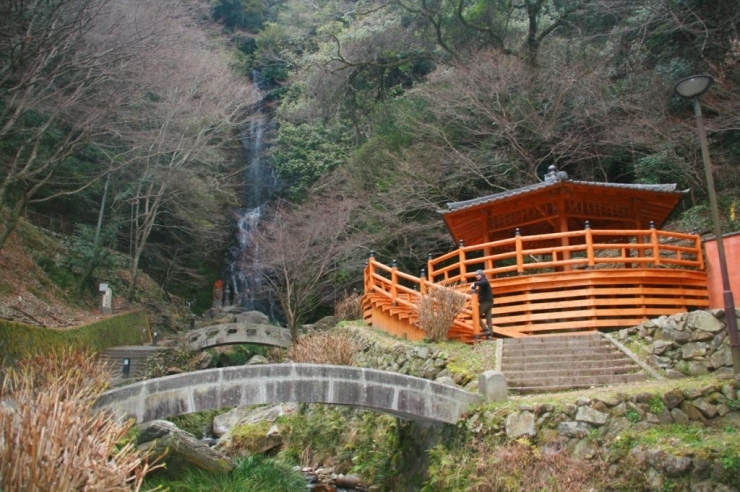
column 557, row 363
column 515, row 345
column 137, row 355
column 579, row 381
column 552, row 387
column 546, row 354
column 570, row 372
column 556, row 351
column 560, row 338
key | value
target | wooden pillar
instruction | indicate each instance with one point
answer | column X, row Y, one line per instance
column 461, row 261
column 369, row 272
column 563, row 227
column 519, row 256
column 589, row 245
column 656, row 245
column 639, row 239
column 394, row 282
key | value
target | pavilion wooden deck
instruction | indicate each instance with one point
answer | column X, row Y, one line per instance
column 551, row 284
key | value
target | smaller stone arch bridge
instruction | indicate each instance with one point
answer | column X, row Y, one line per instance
column 404, row 396
column 234, row 333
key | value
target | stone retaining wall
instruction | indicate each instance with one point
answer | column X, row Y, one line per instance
column 683, row 344
column 411, row 360
column 591, row 427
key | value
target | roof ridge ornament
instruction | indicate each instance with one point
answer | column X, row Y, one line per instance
column 553, row 175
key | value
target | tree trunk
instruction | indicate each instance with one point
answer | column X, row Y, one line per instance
column 97, row 247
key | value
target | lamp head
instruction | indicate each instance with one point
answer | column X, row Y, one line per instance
column 693, row 86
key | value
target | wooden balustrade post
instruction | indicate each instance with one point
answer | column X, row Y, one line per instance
column 475, row 312
column 423, row 282
column 394, row 282
column 430, row 268
column 699, row 252
column 519, row 255
column 655, row 244
column 461, row 261
column 589, row 244
column 370, row 272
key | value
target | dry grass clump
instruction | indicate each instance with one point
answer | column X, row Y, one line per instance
column 325, row 347
column 438, row 309
column 349, row 307
column 52, row 438
column 522, row 466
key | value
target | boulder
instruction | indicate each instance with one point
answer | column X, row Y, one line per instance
column 492, row 385
column 258, row 439
column 180, row 449
column 520, row 424
column 224, row 422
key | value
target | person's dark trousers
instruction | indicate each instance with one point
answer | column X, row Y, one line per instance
column 485, row 310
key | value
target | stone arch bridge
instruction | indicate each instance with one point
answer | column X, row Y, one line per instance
column 407, row 397
column 234, row 333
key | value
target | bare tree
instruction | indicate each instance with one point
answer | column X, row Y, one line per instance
column 300, row 249
column 64, row 66
column 190, row 111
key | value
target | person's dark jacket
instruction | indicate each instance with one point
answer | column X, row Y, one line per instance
column 483, row 288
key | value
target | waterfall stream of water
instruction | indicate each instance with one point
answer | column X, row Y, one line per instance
column 244, row 288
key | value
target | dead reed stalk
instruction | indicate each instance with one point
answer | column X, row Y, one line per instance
column 437, row 310
column 349, row 307
column 52, row 438
column 325, row 347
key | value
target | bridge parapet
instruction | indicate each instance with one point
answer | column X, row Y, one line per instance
column 234, row 333
column 404, row 396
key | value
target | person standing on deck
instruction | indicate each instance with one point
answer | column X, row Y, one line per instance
column 485, row 299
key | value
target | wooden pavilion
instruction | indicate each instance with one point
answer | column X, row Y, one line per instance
column 562, row 256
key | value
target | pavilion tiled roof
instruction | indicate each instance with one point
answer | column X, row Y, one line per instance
column 667, row 188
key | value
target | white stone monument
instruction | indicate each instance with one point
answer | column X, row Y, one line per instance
column 106, row 306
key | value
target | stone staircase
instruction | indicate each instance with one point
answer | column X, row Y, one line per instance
column 560, row 363
column 137, row 355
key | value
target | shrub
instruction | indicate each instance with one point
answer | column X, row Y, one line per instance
column 251, row 474
column 326, row 347
column 438, row 309
column 349, row 307
column 53, row 439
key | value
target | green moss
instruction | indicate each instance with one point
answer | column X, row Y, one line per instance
column 18, row 340
column 699, row 441
column 199, row 422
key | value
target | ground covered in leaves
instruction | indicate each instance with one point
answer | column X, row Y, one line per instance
column 36, row 289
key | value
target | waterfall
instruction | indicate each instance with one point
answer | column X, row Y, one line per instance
column 242, row 288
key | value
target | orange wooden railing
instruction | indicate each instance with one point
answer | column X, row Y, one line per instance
column 399, row 293
column 573, row 281
column 570, row 250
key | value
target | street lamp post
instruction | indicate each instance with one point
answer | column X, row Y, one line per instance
column 691, row 88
